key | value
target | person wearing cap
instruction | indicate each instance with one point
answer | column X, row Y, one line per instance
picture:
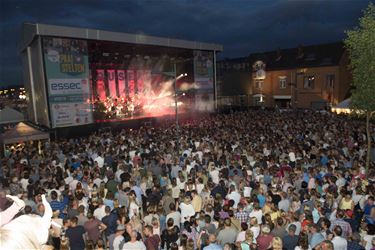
column 265, row 238
column 116, row 239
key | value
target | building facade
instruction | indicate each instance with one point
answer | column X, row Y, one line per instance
column 314, row 76
column 305, row 77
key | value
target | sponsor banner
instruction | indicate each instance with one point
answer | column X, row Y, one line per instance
column 112, row 83
column 203, row 70
column 68, row 86
column 71, row 114
column 121, row 83
column 67, row 71
column 69, row 98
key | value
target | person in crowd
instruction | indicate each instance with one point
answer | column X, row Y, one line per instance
column 152, row 241
column 290, row 241
column 134, row 243
column 339, row 242
column 76, row 235
column 228, row 234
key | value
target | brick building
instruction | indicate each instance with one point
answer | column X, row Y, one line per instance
column 314, row 76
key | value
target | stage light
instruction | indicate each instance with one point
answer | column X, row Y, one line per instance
column 180, row 76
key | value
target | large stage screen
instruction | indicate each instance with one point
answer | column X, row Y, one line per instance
column 90, row 82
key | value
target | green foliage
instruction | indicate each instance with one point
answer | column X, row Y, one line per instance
column 360, row 45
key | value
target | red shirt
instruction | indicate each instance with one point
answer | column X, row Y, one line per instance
column 264, row 242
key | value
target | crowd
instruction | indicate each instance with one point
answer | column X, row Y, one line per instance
column 247, row 180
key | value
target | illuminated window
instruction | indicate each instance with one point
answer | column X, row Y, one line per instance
column 282, row 82
column 308, row 82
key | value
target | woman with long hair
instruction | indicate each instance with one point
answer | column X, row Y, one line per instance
column 303, row 242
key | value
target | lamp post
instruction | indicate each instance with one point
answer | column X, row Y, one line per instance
column 175, row 103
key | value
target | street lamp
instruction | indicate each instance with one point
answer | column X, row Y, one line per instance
column 175, row 103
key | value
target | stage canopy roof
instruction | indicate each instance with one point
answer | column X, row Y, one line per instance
column 21, row 133
column 30, row 30
column 9, row 115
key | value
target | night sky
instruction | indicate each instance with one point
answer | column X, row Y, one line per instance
column 241, row 26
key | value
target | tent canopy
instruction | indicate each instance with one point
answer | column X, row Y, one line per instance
column 23, row 132
column 9, row 115
column 344, row 104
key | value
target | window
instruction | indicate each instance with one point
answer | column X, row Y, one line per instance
column 308, row 82
column 282, row 82
column 330, row 81
column 258, row 84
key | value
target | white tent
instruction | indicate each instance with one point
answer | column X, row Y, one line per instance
column 9, row 115
column 342, row 107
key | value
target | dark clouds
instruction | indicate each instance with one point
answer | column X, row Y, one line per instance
column 242, row 26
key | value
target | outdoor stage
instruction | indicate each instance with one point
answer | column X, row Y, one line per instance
column 80, row 77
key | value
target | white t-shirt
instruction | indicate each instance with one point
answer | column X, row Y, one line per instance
column 215, row 176
column 257, row 214
column 99, row 213
column 235, row 196
column 187, row 210
column 117, row 242
column 368, row 239
column 292, row 157
column 100, row 161
column 256, row 231
column 339, row 243
column 138, row 245
column 133, row 209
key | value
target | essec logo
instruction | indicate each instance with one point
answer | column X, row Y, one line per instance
column 65, row 85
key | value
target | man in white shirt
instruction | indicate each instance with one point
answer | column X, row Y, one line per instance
column 175, row 215
column 99, row 213
column 339, row 243
column 257, row 213
column 99, row 160
column 134, row 244
column 118, row 240
column 234, row 195
column 214, row 173
column 187, row 210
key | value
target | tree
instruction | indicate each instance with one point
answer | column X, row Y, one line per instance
column 360, row 44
